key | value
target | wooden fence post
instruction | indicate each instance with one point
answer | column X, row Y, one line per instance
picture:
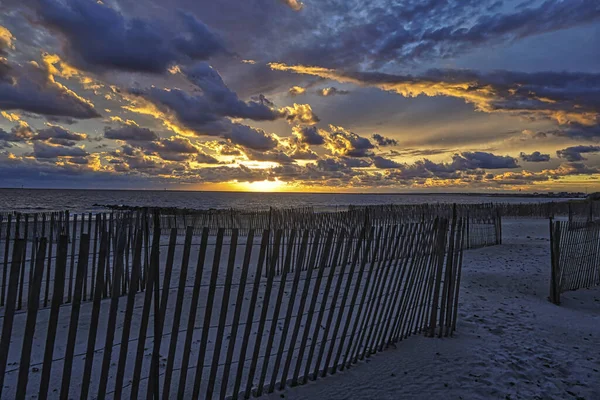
column 84, row 244
column 9, row 309
column 57, row 300
column 555, row 261
column 33, row 304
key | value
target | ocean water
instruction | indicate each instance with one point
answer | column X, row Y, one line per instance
column 38, row 200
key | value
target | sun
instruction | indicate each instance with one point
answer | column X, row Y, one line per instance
column 262, row 186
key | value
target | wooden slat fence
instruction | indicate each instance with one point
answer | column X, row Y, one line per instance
column 217, row 318
column 575, row 256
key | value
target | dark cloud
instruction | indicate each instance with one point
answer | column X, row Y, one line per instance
column 384, row 141
column 204, row 158
column 343, row 142
column 272, row 156
column 97, row 36
column 247, row 136
column 172, row 149
column 575, row 153
column 19, row 133
column 378, row 33
column 59, row 135
column 309, row 135
column 536, row 156
column 483, row 160
column 46, row 150
column 31, row 88
column 385, row 163
column 219, row 100
column 130, row 133
column 331, row 91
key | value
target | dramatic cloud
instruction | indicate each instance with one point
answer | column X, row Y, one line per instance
column 210, row 113
column 309, row 135
column 536, row 156
column 331, row 91
column 47, row 150
column 480, row 159
column 130, row 44
column 32, row 88
column 130, row 133
column 569, row 99
column 575, row 153
column 345, row 143
column 300, row 114
column 384, row 163
column 375, row 34
column 384, row 141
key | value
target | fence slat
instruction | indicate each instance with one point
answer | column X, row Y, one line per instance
column 208, row 312
column 57, row 300
column 9, row 308
column 192, row 315
column 84, row 243
column 89, row 356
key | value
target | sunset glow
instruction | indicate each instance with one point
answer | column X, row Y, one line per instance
column 313, row 96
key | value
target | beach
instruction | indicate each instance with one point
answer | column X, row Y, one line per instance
column 510, row 343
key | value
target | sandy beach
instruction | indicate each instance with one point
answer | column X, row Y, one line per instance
column 511, row 342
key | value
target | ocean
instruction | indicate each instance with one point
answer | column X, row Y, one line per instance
column 39, row 200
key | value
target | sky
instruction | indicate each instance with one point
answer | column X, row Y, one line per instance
column 284, row 95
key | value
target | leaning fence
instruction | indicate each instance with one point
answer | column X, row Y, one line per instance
column 211, row 314
column 482, row 228
column 575, row 256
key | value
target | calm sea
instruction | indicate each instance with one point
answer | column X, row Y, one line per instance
column 37, row 200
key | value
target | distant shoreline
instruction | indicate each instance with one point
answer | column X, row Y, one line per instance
column 560, row 195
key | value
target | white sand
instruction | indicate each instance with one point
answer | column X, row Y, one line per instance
column 511, row 342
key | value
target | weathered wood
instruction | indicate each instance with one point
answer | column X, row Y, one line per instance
column 290, row 310
column 208, row 313
column 334, row 302
column 135, row 273
column 9, row 308
column 361, row 252
column 72, row 265
column 311, row 310
column 84, row 243
column 331, row 263
column 57, row 300
column 33, row 304
column 49, row 266
column 160, row 307
column 223, row 315
column 112, row 317
column 284, row 272
column 192, row 315
column 91, row 343
column 359, row 300
column 302, row 304
column 251, row 310
column 263, row 314
column 237, row 312
column 178, row 308
column 23, row 262
column 150, row 288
